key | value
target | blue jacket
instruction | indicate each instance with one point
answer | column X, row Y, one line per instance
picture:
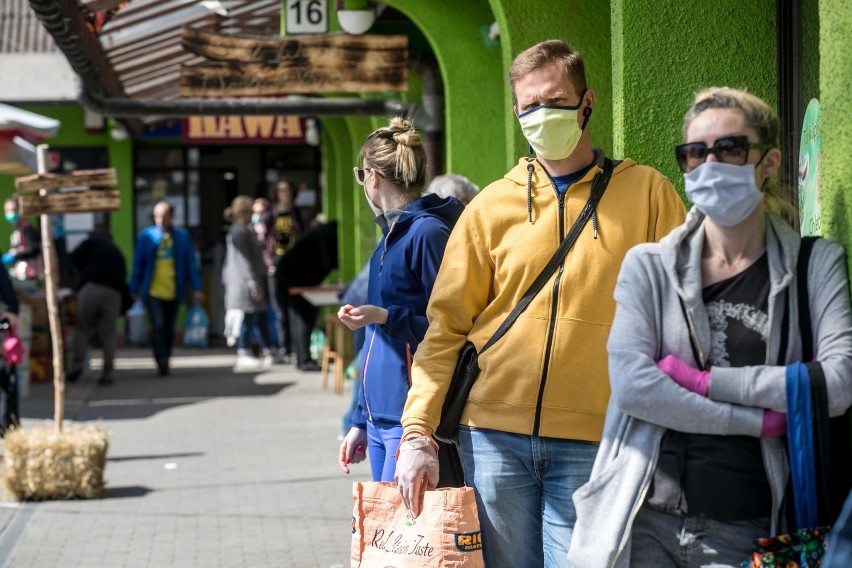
column 402, row 272
column 145, row 257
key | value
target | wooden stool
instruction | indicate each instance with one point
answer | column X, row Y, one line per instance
column 337, row 350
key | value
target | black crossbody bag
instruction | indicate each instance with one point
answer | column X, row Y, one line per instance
column 467, row 367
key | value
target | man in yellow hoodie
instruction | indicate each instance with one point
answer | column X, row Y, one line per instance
column 531, row 427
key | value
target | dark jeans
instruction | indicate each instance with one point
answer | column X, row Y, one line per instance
column 303, row 314
column 252, row 321
column 163, row 314
column 279, row 297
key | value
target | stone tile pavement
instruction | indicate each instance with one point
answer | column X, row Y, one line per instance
column 206, row 467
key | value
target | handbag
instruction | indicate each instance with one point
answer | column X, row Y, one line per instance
column 819, row 452
column 467, row 367
column 445, row 535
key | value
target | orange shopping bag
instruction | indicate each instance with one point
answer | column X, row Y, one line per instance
column 445, row 535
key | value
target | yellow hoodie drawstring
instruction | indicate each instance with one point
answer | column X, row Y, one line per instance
column 530, row 169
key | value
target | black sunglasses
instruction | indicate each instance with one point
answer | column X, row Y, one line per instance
column 729, row 150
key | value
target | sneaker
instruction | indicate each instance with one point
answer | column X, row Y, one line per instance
column 266, row 361
column 245, row 362
column 309, row 365
column 282, row 358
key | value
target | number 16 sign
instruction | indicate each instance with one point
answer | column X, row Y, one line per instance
column 306, row 17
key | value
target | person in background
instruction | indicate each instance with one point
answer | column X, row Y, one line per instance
column 163, row 263
column 415, row 228
column 101, row 285
column 283, row 227
column 245, row 281
column 533, row 421
column 9, row 393
column 454, row 185
column 23, row 258
column 312, row 258
column 692, row 467
column 259, row 212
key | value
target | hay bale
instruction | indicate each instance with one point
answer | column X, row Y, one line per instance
column 41, row 463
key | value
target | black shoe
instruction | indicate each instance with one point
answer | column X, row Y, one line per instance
column 73, row 375
column 105, row 380
column 162, row 367
column 309, row 365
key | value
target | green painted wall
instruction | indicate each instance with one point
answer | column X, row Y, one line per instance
column 659, row 63
column 835, row 80
column 473, row 80
column 72, row 133
column 585, row 25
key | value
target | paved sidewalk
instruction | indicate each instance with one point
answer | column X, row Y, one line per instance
column 205, row 467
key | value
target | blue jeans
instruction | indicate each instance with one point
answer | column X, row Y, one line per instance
column 840, row 544
column 254, row 321
column 524, row 487
column 660, row 540
column 163, row 314
column 382, row 443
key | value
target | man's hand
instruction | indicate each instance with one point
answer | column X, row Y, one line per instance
column 357, row 317
column 685, row 375
column 416, row 471
column 198, row 297
column 352, row 448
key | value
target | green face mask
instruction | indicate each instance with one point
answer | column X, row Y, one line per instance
column 12, row 217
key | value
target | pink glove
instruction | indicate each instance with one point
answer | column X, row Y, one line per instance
column 774, row 424
column 416, row 471
column 685, row 375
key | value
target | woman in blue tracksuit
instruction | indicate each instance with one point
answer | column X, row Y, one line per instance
column 415, row 229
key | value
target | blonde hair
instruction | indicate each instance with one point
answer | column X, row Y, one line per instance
column 240, row 206
column 397, row 153
column 543, row 54
column 758, row 116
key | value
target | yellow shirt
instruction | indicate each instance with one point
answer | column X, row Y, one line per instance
column 163, row 281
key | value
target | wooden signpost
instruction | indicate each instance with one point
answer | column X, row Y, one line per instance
column 243, row 65
column 50, row 194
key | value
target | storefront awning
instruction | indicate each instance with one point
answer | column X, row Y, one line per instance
column 17, row 128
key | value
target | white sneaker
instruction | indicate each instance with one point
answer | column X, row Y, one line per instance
column 266, row 362
column 246, row 362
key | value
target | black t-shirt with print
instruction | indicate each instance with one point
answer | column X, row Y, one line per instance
column 722, row 477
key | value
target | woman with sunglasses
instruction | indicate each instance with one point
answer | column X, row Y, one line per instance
column 691, row 468
column 415, row 228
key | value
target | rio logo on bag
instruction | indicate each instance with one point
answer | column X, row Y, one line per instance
column 468, row 542
column 397, row 543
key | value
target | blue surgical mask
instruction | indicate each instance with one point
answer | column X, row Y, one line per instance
column 255, row 219
column 12, row 216
column 727, row 193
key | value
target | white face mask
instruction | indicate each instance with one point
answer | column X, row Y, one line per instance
column 552, row 131
column 726, row 193
column 376, row 209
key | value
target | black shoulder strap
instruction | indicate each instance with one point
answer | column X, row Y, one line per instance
column 819, row 393
column 803, row 298
column 599, row 184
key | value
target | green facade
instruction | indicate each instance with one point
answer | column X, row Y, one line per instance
column 645, row 59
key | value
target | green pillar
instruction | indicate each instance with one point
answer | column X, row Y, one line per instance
column 663, row 52
column 835, row 81
column 585, row 26
column 473, row 79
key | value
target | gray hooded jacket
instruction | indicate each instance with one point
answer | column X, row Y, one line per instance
column 649, row 324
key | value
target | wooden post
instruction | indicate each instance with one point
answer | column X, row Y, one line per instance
column 50, row 273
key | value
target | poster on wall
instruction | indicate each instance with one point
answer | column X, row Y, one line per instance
column 809, row 168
